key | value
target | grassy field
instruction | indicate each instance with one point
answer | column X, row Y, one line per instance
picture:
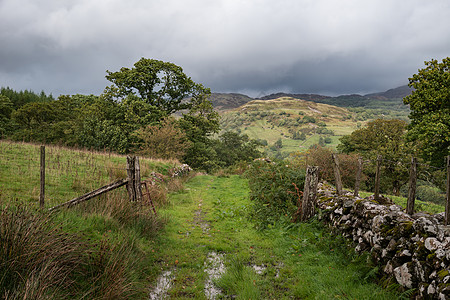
column 101, row 249
column 69, row 173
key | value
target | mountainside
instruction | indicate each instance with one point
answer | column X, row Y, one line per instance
column 223, row 101
column 390, row 99
column 396, row 93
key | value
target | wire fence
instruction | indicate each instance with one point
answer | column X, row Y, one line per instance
column 401, row 173
column 68, row 173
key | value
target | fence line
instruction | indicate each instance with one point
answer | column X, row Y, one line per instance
column 30, row 174
column 413, row 174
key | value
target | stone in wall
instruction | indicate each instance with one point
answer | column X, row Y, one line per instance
column 412, row 250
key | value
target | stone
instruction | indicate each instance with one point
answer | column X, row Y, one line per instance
column 426, row 225
column 432, row 244
column 431, row 288
column 404, row 276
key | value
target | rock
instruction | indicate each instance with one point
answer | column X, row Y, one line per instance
column 404, row 276
column 432, row 244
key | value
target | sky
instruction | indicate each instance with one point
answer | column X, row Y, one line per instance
column 254, row 47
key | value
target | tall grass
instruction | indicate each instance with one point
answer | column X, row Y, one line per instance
column 100, row 249
column 38, row 260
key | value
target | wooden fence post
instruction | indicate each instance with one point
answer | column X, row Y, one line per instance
column 337, row 174
column 377, row 178
column 358, row 176
column 412, row 187
column 134, row 178
column 447, row 203
column 310, row 193
column 137, row 179
column 130, row 174
column 42, row 180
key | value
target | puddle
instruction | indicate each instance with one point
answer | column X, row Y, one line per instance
column 259, row 269
column 214, row 267
column 164, row 284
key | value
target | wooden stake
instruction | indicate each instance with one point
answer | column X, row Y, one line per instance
column 42, row 191
column 131, row 188
column 337, row 174
column 310, row 193
column 358, row 176
column 447, row 203
column 137, row 179
column 412, row 187
column 377, row 178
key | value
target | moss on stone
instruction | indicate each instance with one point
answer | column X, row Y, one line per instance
column 442, row 274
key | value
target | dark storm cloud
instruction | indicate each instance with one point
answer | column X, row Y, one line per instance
column 259, row 46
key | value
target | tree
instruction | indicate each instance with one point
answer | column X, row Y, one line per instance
column 385, row 138
column 160, row 84
column 199, row 123
column 232, row 148
column 6, row 108
column 430, row 110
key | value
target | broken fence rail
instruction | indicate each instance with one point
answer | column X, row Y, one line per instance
column 90, row 195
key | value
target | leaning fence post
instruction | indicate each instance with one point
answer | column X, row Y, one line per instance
column 447, row 203
column 377, row 178
column 310, row 193
column 130, row 174
column 42, row 180
column 412, row 187
column 337, row 174
column 358, row 176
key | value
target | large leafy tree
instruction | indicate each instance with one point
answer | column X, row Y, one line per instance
column 430, row 110
column 160, row 84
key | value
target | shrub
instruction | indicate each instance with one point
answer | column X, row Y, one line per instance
column 273, row 191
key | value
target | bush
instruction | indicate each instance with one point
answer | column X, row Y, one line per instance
column 273, row 191
column 428, row 192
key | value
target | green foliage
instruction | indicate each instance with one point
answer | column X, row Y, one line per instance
column 165, row 140
column 23, row 97
column 385, row 138
column 232, row 148
column 273, row 191
column 199, row 123
column 6, row 108
column 430, row 110
column 159, row 84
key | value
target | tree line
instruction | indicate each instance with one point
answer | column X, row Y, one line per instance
column 134, row 114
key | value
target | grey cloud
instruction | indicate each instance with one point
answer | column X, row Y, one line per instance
column 228, row 45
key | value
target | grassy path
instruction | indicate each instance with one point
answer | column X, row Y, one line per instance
column 208, row 236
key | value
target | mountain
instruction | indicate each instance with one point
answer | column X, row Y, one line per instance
column 396, row 93
column 390, row 99
column 224, row 101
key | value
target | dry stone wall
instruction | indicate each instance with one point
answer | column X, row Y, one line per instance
column 412, row 250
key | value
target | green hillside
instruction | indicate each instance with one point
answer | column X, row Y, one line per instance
column 298, row 123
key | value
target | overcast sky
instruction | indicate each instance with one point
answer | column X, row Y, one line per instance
column 250, row 46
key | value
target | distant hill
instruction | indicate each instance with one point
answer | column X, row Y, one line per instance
column 396, row 93
column 223, row 101
column 303, row 120
column 308, row 97
column 390, row 99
